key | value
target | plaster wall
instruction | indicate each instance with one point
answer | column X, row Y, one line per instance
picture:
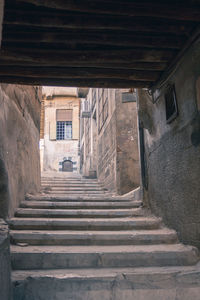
column 172, row 151
column 19, row 145
column 54, row 152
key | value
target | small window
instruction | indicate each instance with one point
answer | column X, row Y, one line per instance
column 64, row 130
column 171, row 104
column 67, row 166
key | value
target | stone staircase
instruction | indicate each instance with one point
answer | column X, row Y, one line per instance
column 77, row 241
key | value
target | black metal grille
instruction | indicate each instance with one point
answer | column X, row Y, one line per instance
column 64, row 130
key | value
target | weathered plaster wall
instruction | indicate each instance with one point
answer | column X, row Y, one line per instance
column 128, row 170
column 56, row 151
column 19, row 145
column 172, row 152
column 5, row 268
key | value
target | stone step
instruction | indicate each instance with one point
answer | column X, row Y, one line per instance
column 131, row 237
column 153, row 283
column 74, row 189
column 61, row 257
column 174, row 283
column 85, row 213
column 68, row 181
column 82, row 198
column 80, row 204
column 76, row 193
column 72, row 186
column 79, row 184
column 85, row 224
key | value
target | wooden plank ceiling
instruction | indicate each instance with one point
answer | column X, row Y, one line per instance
column 95, row 43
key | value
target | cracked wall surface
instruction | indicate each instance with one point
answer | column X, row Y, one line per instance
column 172, row 151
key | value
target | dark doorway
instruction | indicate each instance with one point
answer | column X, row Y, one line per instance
column 67, row 166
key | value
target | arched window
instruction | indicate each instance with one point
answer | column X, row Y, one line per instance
column 67, row 166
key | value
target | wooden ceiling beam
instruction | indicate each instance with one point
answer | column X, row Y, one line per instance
column 100, row 82
column 79, row 73
column 166, row 41
column 93, row 56
column 179, row 11
column 99, row 22
column 148, row 66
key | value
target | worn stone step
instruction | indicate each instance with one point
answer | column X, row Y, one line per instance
column 96, row 198
column 76, row 193
column 78, row 184
column 74, row 213
column 58, row 257
column 80, row 204
column 68, row 181
column 74, row 189
column 85, row 224
column 153, row 283
column 131, row 237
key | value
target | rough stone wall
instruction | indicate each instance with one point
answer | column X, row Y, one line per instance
column 106, row 146
column 113, row 149
column 107, row 153
column 172, row 151
column 128, row 170
column 19, row 145
column 5, row 268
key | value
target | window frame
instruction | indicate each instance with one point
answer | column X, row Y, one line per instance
column 63, row 130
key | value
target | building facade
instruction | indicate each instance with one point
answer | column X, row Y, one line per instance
column 109, row 138
column 59, row 139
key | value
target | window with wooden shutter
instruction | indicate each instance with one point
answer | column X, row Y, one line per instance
column 64, row 124
column 64, row 115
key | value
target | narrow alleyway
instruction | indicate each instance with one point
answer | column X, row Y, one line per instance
column 74, row 239
column 77, row 241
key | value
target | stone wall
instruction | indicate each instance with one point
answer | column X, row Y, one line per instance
column 111, row 151
column 19, row 145
column 5, row 268
column 172, row 151
column 128, row 169
column 106, row 157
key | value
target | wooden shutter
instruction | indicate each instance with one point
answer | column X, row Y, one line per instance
column 64, row 115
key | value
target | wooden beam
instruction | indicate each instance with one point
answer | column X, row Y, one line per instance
column 101, row 83
column 76, row 73
column 178, row 11
column 50, row 37
column 148, row 66
column 59, row 57
column 92, row 21
column 177, row 61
